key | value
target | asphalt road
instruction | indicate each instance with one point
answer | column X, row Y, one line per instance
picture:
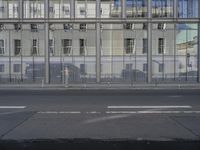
column 156, row 115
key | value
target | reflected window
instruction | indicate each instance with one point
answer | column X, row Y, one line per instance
column 83, row 27
column 2, row 47
column 145, row 67
column 34, row 28
column 129, row 26
column 67, row 46
column 145, row 45
column 51, row 47
column 82, row 43
column 161, row 45
column 161, row 67
column 34, row 50
column 82, row 69
column 111, row 8
column 129, row 45
column 2, row 67
column 17, row 47
column 161, row 26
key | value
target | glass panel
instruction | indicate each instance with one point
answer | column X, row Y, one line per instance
column 33, row 8
column 162, row 8
column 85, row 8
column 74, row 57
column 111, row 8
column 123, row 55
column 9, row 8
column 186, row 51
column 59, row 9
column 163, row 60
column 188, row 8
column 136, row 8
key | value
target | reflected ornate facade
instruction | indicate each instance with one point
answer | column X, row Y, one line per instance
column 99, row 41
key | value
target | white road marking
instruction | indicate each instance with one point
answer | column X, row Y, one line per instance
column 147, row 107
column 175, row 96
column 59, row 112
column 106, row 118
column 12, row 107
column 152, row 112
column 93, row 112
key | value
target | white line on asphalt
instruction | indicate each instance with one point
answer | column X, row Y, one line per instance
column 12, row 107
column 148, row 107
column 59, row 112
column 152, row 112
column 93, row 112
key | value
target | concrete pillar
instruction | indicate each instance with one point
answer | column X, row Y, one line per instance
column 72, row 9
column 123, row 2
column 198, row 44
column 98, row 52
column 46, row 43
column 149, row 36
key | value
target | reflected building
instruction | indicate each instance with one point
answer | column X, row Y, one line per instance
column 99, row 41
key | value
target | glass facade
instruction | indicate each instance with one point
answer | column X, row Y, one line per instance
column 119, row 42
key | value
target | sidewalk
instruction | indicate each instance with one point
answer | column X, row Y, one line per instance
column 101, row 86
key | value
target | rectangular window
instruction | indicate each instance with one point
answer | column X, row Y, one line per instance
column 129, row 26
column 67, row 27
column 82, row 44
column 83, row 27
column 145, row 67
column 161, row 26
column 67, row 46
column 161, row 67
column 2, row 47
column 65, row 10
column 51, row 47
column 161, row 45
column 145, row 25
column 34, row 47
column 2, row 67
column 34, row 28
column 129, row 45
column 82, row 69
column 145, row 45
column 17, row 47
column 17, row 68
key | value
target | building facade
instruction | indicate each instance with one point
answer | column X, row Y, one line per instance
column 99, row 41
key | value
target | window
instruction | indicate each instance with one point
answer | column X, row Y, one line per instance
column 17, row 26
column 161, row 45
column 65, row 10
column 161, row 67
column 145, row 25
column 16, row 68
column 161, row 26
column 2, row 47
column 2, row 9
column 34, row 27
column 67, row 46
column 2, row 67
column 82, row 11
column 1, row 27
column 129, row 26
column 82, row 44
column 145, row 46
column 83, row 27
column 129, row 45
column 82, row 69
column 145, row 67
column 51, row 46
column 67, row 27
column 34, row 47
column 17, row 47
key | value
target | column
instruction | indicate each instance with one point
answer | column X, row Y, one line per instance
column 98, row 41
column 46, row 43
column 149, row 36
column 198, row 74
